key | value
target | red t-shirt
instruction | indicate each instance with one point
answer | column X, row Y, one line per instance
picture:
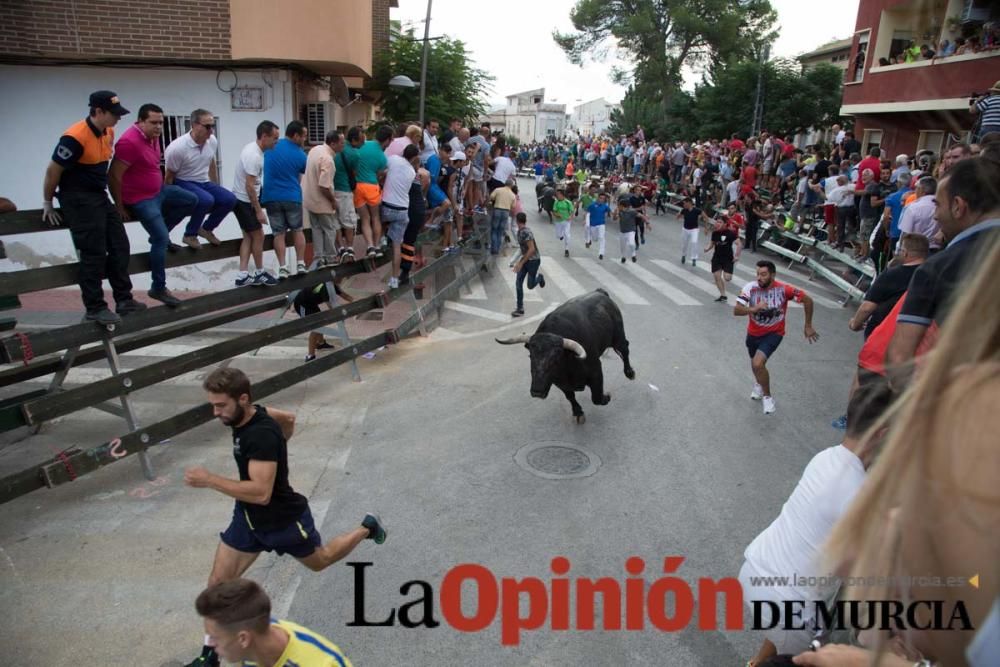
column 143, row 179
column 748, row 179
column 776, row 296
column 736, row 221
column 872, row 354
column 869, row 162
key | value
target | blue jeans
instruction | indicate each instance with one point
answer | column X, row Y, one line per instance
column 497, row 228
column 213, row 200
column 529, row 269
column 158, row 215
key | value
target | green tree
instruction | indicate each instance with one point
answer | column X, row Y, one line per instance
column 659, row 37
column 455, row 86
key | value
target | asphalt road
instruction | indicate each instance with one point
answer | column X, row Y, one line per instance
column 440, row 440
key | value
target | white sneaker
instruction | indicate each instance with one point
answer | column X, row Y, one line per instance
column 757, row 392
column 768, row 405
column 393, row 282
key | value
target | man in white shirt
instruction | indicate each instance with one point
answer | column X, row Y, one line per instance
column 430, row 140
column 396, row 203
column 190, row 164
column 792, row 545
column 919, row 218
column 842, row 197
column 504, row 169
column 248, row 210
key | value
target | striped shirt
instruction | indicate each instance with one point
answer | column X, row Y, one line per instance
column 989, row 110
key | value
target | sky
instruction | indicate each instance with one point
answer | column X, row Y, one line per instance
column 515, row 45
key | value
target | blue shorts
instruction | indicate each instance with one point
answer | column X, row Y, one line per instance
column 767, row 344
column 298, row 539
column 284, row 216
column 435, row 195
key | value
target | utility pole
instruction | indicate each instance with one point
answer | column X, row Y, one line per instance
column 423, row 63
column 758, row 106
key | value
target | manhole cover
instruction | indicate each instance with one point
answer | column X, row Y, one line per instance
column 557, row 460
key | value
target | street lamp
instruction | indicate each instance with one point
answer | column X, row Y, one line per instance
column 402, row 82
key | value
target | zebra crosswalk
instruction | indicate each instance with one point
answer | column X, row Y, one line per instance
column 649, row 282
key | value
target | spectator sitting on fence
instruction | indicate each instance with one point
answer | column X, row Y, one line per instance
column 79, row 169
column 137, row 187
column 308, row 301
column 190, row 164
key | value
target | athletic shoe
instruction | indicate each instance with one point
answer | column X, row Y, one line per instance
column 517, row 313
column 722, row 299
column 393, row 282
column 208, row 658
column 768, row 405
column 348, row 256
column 541, row 280
column 600, row 257
column 376, row 531
column 694, row 262
column 265, row 279
column 165, row 296
column 371, row 251
column 565, row 253
column 634, row 259
column 588, row 244
column 301, row 269
column 324, row 346
column 840, row 423
column 129, row 306
column 283, row 272
column 757, row 393
column 245, row 279
column 103, row 316
column 683, row 259
column 623, row 260
column 310, row 357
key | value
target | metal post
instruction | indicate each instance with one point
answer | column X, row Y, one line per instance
column 423, row 63
column 130, row 418
column 341, row 333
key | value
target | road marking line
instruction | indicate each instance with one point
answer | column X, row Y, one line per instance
column 478, row 312
column 518, row 323
column 663, row 287
column 688, row 277
column 603, row 276
column 283, row 603
column 509, row 277
column 818, row 298
column 560, row 277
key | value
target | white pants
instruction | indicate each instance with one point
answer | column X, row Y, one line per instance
column 562, row 231
column 586, row 228
column 596, row 233
column 627, row 242
column 538, row 178
column 689, row 244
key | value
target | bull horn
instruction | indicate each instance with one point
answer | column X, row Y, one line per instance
column 573, row 346
column 523, row 338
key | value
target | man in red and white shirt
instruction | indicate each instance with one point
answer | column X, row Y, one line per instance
column 765, row 300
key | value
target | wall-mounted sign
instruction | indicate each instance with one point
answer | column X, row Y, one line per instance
column 247, row 98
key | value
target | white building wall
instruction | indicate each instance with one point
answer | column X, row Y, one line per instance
column 38, row 103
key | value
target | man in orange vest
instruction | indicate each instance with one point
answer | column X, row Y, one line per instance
column 78, row 176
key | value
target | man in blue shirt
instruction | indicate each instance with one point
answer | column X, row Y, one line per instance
column 894, row 210
column 281, row 194
column 598, row 214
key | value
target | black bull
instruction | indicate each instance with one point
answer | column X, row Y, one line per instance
column 566, row 348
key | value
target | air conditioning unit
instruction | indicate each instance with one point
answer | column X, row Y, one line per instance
column 318, row 117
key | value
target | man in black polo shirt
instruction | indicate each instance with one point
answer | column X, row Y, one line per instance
column 890, row 285
column 968, row 211
column 78, row 176
column 269, row 515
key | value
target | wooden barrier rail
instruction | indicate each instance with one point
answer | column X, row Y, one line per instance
column 161, row 324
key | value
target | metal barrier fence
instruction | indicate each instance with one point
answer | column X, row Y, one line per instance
column 56, row 351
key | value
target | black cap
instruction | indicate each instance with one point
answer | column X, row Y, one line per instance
column 108, row 101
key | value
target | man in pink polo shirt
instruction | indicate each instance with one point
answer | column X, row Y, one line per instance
column 136, row 184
